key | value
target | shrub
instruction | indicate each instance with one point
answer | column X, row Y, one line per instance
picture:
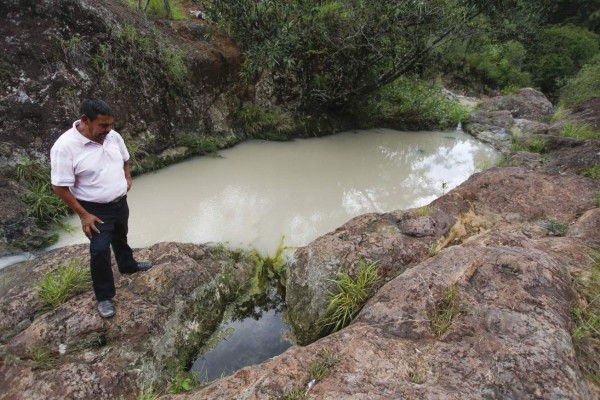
column 46, row 206
column 416, row 103
column 556, row 228
column 272, row 124
column 585, row 85
column 199, row 144
column 56, row 287
column 562, row 51
column 352, row 294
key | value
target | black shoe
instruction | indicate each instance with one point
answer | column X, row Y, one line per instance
column 106, row 308
column 140, row 266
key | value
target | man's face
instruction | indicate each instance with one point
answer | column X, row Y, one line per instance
column 99, row 128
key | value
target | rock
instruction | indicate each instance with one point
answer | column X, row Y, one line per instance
column 528, row 104
column 492, row 127
column 525, row 127
column 161, row 317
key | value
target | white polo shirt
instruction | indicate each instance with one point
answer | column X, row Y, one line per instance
column 92, row 171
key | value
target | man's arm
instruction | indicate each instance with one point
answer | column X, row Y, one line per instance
column 88, row 221
column 127, row 174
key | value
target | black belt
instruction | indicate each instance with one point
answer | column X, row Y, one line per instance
column 118, row 199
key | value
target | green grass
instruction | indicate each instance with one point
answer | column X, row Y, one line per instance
column 322, row 365
column 199, row 144
column 578, row 131
column 556, row 228
column 47, row 208
column 182, row 382
column 423, row 211
column 597, row 199
column 296, row 394
column 444, row 312
column 592, row 172
column 586, row 320
column 41, row 357
column 350, row 296
column 148, row 393
column 535, row 145
column 56, row 287
column 169, row 9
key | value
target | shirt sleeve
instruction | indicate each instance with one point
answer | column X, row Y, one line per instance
column 61, row 167
column 122, row 147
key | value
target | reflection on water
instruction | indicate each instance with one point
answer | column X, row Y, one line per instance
column 258, row 191
column 252, row 334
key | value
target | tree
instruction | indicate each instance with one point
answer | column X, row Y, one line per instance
column 337, row 51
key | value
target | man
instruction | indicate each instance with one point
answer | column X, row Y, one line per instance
column 90, row 173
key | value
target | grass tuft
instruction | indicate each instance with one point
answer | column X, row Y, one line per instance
column 423, row 211
column 578, row 131
column 322, row 365
column 41, row 357
column 56, row 287
column 592, row 172
column 444, row 312
column 352, row 294
column 46, row 206
column 148, row 393
column 586, row 320
column 556, row 228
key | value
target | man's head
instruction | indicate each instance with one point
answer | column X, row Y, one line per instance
column 96, row 118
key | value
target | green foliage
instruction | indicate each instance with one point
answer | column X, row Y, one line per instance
column 41, row 357
column 199, row 144
column 423, row 211
column 296, row 394
column 335, row 52
column 46, row 206
column 148, row 393
column 592, row 172
column 597, row 199
column 535, row 145
column 169, row 9
column 56, row 287
column 273, row 124
column 556, row 228
column 130, row 47
column 498, row 65
column 417, row 104
column 562, row 51
column 269, row 267
column 586, row 318
column 444, row 311
column 578, row 131
column 584, row 86
column 350, row 296
column 182, row 382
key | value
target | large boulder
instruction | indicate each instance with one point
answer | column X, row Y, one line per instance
column 527, row 103
column 162, row 317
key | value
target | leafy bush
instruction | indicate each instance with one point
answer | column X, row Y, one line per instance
column 592, row 172
column 498, row 65
column 46, row 206
column 199, row 144
column 416, row 104
column 562, row 51
column 272, row 124
column 585, row 85
column 56, row 287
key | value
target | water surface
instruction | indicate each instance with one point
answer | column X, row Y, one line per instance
column 258, row 191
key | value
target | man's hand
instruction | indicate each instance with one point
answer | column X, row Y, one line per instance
column 88, row 224
column 129, row 182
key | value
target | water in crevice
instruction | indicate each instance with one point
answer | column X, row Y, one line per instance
column 252, row 331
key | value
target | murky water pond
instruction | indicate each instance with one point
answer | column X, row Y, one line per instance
column 255, row 193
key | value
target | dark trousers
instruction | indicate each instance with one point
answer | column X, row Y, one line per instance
column 113, row 232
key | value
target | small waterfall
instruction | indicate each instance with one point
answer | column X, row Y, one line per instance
column 459, row 127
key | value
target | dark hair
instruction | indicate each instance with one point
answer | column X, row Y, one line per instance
column 92, row 108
